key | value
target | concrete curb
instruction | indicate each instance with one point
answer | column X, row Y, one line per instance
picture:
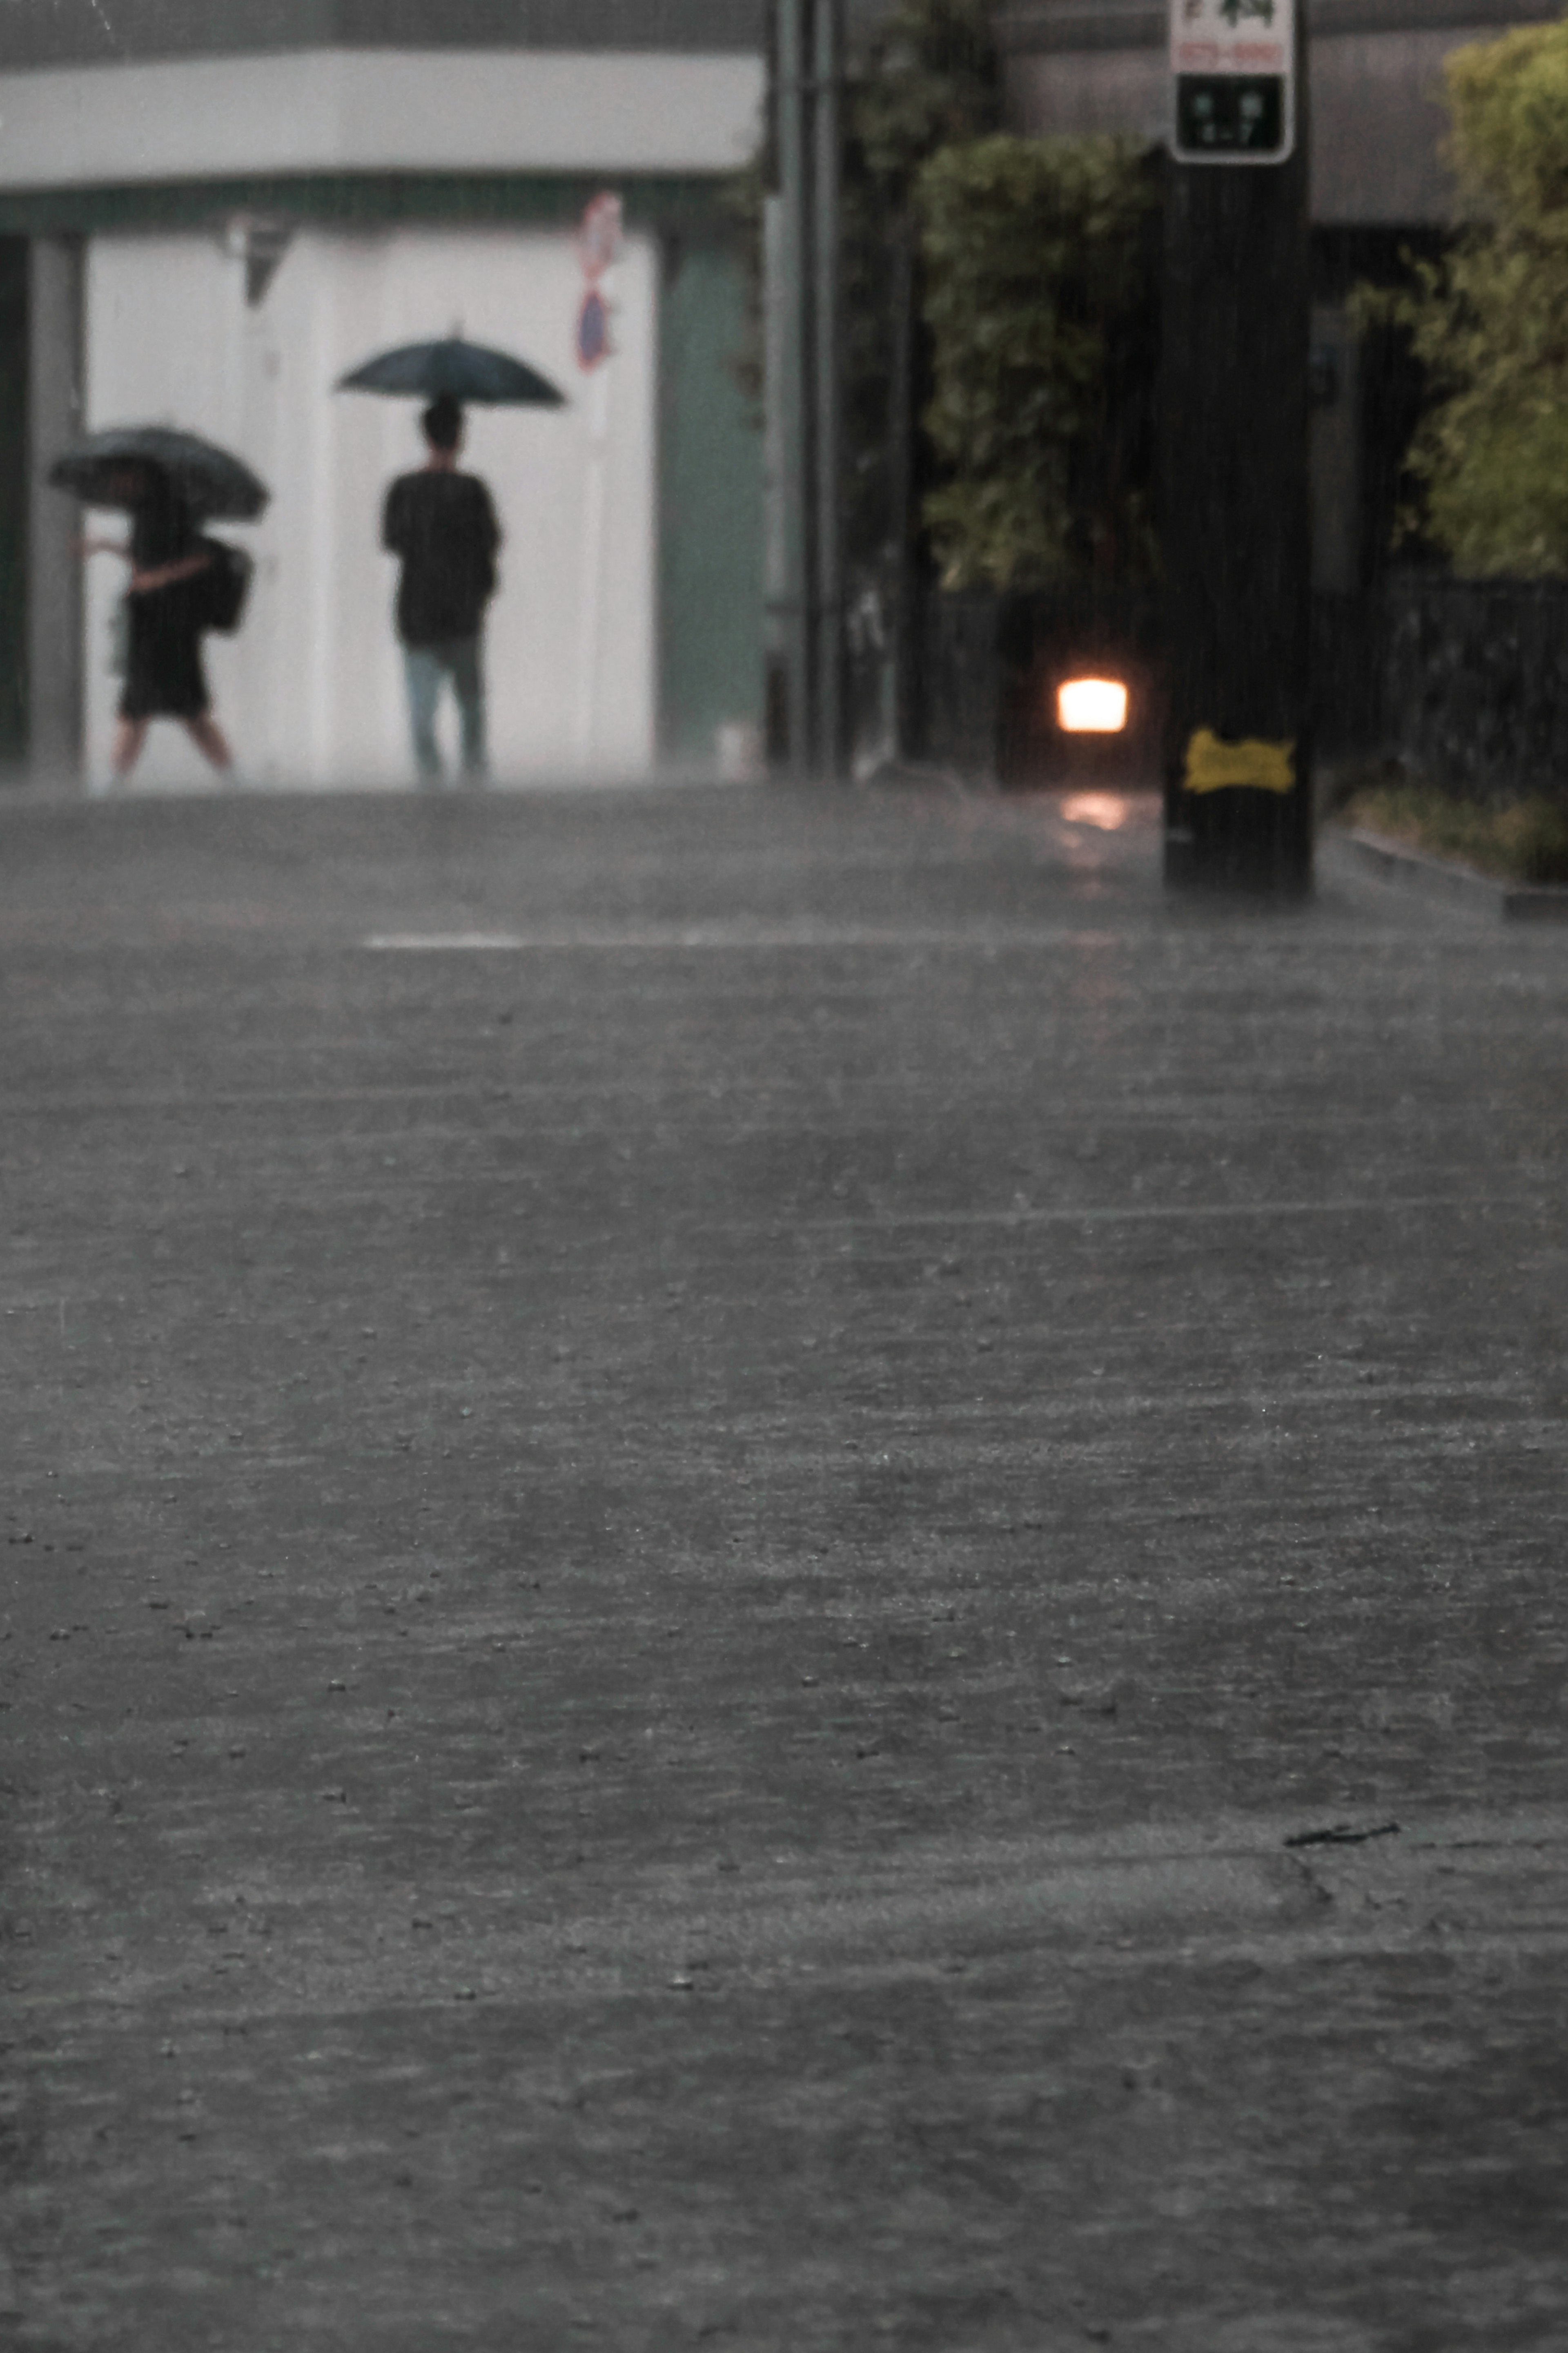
column 1355, row 848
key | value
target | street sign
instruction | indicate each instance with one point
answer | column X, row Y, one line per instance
column 1233, row 80
column 599, row 240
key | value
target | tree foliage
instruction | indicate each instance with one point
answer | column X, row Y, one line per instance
column 1489, row 321
column 927, row 76
column 1036, row 301
column 921, row 77
column 1032, row 357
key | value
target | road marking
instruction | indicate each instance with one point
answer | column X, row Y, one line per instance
column 858, row 936
column 442, row 943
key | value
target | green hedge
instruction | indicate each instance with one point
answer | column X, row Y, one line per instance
column 1036, row 301
column 1490, row 321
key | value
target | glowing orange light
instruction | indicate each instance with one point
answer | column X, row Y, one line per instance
column 1091, row 706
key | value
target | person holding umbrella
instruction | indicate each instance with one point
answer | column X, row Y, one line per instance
column 167, row 482
column 441, row 524
column 164, row 674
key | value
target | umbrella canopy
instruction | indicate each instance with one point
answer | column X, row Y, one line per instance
column 468, row 372
column 215, row 484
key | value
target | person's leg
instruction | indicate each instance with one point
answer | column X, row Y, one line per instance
column 208, row 736
column 465, row 661
column 421, row 672
column 130, row 735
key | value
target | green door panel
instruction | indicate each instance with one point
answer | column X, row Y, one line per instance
column 711, row 519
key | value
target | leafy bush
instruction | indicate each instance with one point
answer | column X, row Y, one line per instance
column 1034, row 353
column 1490, row 320
column 1037, row 304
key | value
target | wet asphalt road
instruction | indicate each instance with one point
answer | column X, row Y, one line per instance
column 677, row 1592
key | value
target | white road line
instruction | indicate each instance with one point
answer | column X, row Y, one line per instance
column 440, row 942
column 849, row 937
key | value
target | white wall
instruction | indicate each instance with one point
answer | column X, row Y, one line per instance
column 312, row 688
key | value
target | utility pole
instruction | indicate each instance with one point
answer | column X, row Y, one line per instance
column 809, row 54
column 907, row 713
column 828, row 59
column 1235, row 494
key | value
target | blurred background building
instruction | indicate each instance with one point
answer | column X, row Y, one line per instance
column 207, row 214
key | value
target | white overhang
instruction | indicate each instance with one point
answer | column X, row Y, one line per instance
column 378, row 111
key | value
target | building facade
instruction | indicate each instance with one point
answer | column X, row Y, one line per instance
column 207, row 215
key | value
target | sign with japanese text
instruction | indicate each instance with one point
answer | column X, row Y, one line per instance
column 1233, row 80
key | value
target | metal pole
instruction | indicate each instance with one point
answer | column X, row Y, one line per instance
column 828, row 62
column 797, row 514
column 900, row 461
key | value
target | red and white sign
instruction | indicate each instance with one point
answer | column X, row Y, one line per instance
column 598, row 249
column 1233, row 36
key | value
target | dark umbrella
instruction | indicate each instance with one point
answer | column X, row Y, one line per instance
column 216, row 485
column 468, row 372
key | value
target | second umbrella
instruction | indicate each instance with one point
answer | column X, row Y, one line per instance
column 466, row 372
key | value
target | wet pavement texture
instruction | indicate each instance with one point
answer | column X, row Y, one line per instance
column 820, row 1606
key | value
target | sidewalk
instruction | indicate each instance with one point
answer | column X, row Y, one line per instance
column 820, row 1607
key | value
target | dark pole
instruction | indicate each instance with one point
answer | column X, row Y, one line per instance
column 827, row 47
column 900, row 464
column 797, row 506
column 807, row 49
column 1234, row 513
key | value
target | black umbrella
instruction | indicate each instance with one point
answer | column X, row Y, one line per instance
column 468, row 372
column 216, row 485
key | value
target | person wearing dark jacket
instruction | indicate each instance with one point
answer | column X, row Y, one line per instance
column 441, row 525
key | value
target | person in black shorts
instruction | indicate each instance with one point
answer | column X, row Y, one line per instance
column 441, row 524
column 164, row 674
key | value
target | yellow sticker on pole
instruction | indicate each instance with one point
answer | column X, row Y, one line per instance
column 1215, row 766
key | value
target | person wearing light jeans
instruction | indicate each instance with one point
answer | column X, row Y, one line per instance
column 442, row 526
column 423, row 668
